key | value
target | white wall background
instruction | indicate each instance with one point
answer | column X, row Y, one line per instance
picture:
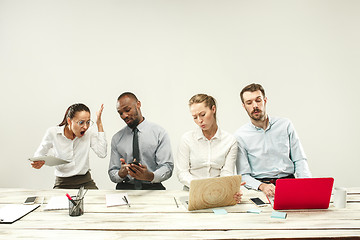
column 54, row 53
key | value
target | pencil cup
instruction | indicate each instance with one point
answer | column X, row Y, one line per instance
column 76, row 207
column 340, row 197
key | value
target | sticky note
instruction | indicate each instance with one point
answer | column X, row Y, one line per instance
column 219, row 211
column 276, row 214
column 257, row 211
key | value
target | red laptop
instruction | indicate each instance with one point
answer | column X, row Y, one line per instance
column 302, row 193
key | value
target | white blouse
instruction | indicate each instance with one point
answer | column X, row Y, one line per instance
column 76, row 151
column 199, row 157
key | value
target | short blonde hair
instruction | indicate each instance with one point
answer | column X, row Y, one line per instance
column 203, row 98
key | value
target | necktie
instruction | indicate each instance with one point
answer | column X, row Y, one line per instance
column 136, row 155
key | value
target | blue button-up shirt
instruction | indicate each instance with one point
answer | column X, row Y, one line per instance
column 272, row 153
column 155, row 151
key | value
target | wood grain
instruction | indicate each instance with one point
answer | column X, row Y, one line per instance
column 213, row 192
column 154, row 215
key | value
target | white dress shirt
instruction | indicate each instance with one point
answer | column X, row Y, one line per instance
column 199, row 157
column 76, row 151
column 272, row 153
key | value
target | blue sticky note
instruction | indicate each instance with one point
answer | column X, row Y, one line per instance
column 257, row 211
column 219, row 211
column 276, row 214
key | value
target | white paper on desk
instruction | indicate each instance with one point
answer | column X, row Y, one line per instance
column 12, row 212
column 116, row 199
column 49, row 160
column 57, row 203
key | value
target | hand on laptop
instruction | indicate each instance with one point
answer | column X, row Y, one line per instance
column 238, row 195
column 267, row 189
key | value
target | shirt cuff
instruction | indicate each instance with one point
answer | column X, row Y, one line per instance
column 116, row 177
column 157, row 178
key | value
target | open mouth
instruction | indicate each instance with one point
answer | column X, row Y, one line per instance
column 82, row 133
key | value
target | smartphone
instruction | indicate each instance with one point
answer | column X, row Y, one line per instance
column 30, row 200
column 136, row 163
column 258, row 202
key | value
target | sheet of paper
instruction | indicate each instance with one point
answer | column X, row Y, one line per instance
column 116, row 199
column 49, row 160
column 12, row 212
column 57, row 203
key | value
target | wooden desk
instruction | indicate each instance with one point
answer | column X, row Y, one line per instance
column 154, row 215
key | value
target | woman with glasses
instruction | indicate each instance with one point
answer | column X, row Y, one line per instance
column 71, row 140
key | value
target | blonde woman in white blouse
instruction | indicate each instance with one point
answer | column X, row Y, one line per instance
column 206, row 151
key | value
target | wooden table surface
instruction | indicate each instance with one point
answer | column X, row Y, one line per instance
column 154, row 215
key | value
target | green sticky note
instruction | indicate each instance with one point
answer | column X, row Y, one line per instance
column 276, row 214
column 219, row 211
column 257, row 211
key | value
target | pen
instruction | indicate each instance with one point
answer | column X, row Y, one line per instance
column 125, row 199
column 177, row 205
column 73, row 202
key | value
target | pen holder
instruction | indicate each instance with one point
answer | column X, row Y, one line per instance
column 76, row 207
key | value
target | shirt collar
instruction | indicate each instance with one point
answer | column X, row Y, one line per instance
column 61, row 131
column 199, row 134
column 140, row 127
column 271, row 122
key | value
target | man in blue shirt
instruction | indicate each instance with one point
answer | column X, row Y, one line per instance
column 269, row 147
column 155, row 161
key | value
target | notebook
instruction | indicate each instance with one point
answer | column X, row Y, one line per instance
column 57, row 203
column 212, row 192
column 116, row 199
column 302, row 193
column 13, row 212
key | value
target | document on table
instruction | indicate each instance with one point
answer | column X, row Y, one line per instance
column 116, row 199
column 57, row 203
column 13, row 212
column 49, row 160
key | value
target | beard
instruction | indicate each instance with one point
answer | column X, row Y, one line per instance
column 257, row 115
column 133, row 123
column 136, row 120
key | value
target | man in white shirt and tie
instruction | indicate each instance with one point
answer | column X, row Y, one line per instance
column 270, row 148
